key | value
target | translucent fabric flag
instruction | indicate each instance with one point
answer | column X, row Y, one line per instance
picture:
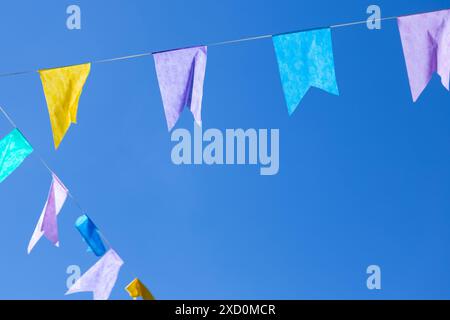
column 100, row 278
column 305, row 59
column 426, row 47
column 62, row 88
column 91, row 235
column 14, row 149
column 137, row 289
column 181, row 74
column 47, row 224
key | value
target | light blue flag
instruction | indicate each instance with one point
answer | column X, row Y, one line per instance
column 305, row 60
column 14, row 149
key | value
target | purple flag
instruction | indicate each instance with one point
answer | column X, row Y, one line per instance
column 47, row 224
column 100, row 278
column 426, row 46
column 181, row 74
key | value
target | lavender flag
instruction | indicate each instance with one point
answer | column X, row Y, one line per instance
column 426, row 46
column 47, row 224
column 181, row 74
column 100, row 278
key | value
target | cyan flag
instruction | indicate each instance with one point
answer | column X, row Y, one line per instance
column 14, row 148
column 305, row 60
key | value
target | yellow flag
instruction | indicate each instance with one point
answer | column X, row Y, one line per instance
column 137, row 289
column 62, row 89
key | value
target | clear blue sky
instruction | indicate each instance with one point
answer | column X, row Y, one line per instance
column 364, row 177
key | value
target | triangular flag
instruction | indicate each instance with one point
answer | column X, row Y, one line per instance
column 137, row 289
column 47, row 224
column 181, row 74
column 426, row 47
column 91, row 235
column 62, row 89
column 14, row 149
column 305, row 59
column 100, row 278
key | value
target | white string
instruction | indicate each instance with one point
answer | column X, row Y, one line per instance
column 7, row 117
column 125, row 57
column 239, row 40
column 362, row 22
column 139, row 55
column 272, row 35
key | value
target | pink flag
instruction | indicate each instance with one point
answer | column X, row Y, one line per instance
column 181, row 74
column 100, row 278
column 426, row 46
column 47, row 224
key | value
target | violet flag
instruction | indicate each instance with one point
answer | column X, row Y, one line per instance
column 426, row 47
column 47, row 224
column 100, row 278
column 181, row 74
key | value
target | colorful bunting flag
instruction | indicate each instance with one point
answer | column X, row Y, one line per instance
column 57, row 197
column 100, row 278
column 47, row 224
column 426, row 47
column 181, row 74
column 62, row 89
column 14, row 149
column 305, row 59
column 137, row 289
column 91, row 235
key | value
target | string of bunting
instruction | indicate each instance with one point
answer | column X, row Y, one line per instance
column 305, row 59
column 101, row 277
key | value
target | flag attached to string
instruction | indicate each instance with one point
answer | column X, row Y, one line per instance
column 91, row 235
column 305, row 59
column 14, row 149
column 181, row 74
column 100, row 278
column 137, row 289
column 426, row 47
column 47, row 224
column 62, row 89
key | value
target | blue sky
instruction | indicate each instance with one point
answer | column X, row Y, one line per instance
column 364, row 177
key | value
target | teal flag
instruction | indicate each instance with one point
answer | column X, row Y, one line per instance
column 14, row 148
column 305, row 60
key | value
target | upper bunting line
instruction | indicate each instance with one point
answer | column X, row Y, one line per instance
column 214, row 44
